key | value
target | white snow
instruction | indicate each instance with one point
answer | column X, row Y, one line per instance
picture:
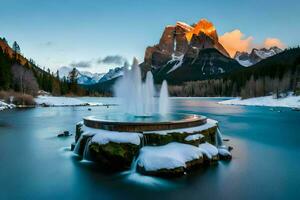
column 104, row 136
column 224, row 152
column 63, row 101
column 4, row 105
column 178, row 60
column 168, row 156
column 245, row 63
column 208, row 149
column 210, row 123
column 194, row 137
column 289, row 101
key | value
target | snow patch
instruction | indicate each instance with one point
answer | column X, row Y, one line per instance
column 224, row 152
column 178, row 60
column 209, row 150
column 289, row 101
column 194, row 137
column 170, row 156
column 4, row 106
column 63, row 101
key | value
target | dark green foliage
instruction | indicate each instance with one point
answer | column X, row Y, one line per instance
column 5, row 73
column 46, row 80
column 277, row 74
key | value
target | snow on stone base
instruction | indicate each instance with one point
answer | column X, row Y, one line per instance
column 209, row 150
column 224, row 153
column 103, row 136
column 289, row 101
column 170, row 156
column 194, row 137
column 210, row 123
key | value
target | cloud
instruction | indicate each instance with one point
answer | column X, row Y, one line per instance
column 236, row 41
column 270, row 42
column 112, row 59
column 81, row 64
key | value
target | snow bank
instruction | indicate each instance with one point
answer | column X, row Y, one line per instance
column 63, row 101
column 4, row 106
column 194, row 137
column 103, row 136
column 224, row 152
column 289, row 101
column 208, row 149
column 169, row 156
column 210, row 123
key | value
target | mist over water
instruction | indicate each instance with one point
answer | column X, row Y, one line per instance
column 138, row 97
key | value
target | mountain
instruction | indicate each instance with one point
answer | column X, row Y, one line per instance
column 256, row 55
column 179, row 39
column 83, row 78
column 112, row 74
column 21, row 74
column 206, row 63
column 187, row 53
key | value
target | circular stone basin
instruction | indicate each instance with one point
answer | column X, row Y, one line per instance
column 131, row 123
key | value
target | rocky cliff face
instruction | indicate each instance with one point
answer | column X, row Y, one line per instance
column 182, row 38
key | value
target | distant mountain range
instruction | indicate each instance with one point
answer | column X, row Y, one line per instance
column 189, row 53
column 256, row 55
column 89, row 78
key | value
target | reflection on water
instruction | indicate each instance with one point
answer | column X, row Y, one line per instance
column 35, row 164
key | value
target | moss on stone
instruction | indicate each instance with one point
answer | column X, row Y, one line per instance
column 115, row 156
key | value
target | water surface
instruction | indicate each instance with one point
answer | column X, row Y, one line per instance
column 35, row 164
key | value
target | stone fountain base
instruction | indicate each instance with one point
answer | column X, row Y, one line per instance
column 157, row 148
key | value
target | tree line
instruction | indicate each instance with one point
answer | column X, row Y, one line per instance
column 29, row 78
column 277, row 75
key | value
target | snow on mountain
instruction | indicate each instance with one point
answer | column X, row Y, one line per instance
column 84, row 77
column 112, row 73
column 256, row 55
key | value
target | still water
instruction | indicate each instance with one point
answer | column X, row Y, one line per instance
column 35, row 164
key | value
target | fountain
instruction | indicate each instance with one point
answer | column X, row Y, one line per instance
column 137, row 97
column 145, row 135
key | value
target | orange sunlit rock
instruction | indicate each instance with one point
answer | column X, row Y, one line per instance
column 204, row 26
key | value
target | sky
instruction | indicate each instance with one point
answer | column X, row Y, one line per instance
column 97, row 35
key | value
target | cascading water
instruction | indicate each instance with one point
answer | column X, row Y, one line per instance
column 138, row 97
column 219, row 138
column 78, row 145
column 86, row 152
column 164, row 99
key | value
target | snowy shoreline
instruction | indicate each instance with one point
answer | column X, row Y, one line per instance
column 288, row 102
column 51, row 101
column 4, row 106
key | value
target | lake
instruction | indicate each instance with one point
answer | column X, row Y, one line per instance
column 35, row 164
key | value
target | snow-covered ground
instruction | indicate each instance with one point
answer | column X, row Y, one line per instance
column 289, row 101
column 63, row 101
column 4, row 106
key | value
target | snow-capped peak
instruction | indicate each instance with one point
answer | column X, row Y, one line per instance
column 256, row 55
column 84, row 77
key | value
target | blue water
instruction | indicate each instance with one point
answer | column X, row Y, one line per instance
column 35, row 164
